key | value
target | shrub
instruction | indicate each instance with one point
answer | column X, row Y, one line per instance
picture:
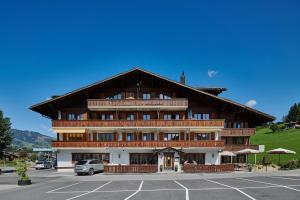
column 291, row 164
column 21, row 170
column 274, row 128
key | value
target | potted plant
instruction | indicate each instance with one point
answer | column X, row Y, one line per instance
column 21, row 171
column 250, row 167
column 160, row 168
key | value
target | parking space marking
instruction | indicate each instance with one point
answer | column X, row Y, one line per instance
column 89, row 191
column 284, row 186
column 140, row 188
column 293, row 179
column 62, row 187
column 186, row 190
column 237, row 189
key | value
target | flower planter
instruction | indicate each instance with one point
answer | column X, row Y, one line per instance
column 24, row 182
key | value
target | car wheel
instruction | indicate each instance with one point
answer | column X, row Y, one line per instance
column 91, row 172
column 78, row 174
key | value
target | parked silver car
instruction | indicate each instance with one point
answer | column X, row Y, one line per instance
column 43, row 165
column 88, row 166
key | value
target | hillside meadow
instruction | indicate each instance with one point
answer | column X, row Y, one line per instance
column 287, row 139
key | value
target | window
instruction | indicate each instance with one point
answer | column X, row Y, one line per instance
column 84, row 156
column 197, row 116
column 199, row 158
column 75, row 137
column 130, row 117
column 143, row 158
column 110, row 117
column 103, row 116
column 115, row 96
column 146, row 96
column 205, row 116
column 202, row 116
column 167, row 117
column 164, row 96
column 171, row 136
column 202, row 136
column 129, row 137
column 146, row 136
column 238, row 125
column 105, row 137
column 146, row 117
column 130, row 95
column 72, row 116
column 190, row 114
column 177, row 117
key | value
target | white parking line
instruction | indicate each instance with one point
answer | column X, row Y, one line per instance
column 237, row 189
column 284, row 186
column 140, row 188
column 186, row 190
column 293, row 179
column 62, row 187
column 89, row 191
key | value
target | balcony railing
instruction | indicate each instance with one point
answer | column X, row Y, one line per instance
column 108, row 104
column 137, row 144
column 237, row 147
column 139, row 123
column 238, row 131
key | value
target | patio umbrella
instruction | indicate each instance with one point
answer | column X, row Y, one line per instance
column 248, row 151
column 227, row 153
column 280, row 151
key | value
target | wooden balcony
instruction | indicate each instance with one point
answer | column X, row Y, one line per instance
column 138, row 144
column 139, row 123
column 237, row 147
column 137, row 104
column 237, row 132
column 130, row 168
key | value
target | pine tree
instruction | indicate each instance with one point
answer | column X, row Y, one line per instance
column 293, row 114
column 298, row 113
column 5, row 133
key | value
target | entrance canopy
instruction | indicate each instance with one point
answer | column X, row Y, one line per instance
column 168, row 149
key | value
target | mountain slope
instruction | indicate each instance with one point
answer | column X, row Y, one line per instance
column 30, row 139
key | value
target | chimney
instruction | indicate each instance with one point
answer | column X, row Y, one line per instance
column 182, row 78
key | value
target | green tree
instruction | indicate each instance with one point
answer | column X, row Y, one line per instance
column 298, row 113
column 294, row 112
column 5, row 133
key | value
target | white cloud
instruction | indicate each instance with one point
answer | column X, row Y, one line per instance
column 212, row 73
column 251, row 103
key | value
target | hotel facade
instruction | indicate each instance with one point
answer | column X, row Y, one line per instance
column 138, row 121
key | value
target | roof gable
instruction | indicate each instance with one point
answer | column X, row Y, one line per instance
column 37, row 107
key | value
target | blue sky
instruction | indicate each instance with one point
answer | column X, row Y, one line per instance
column 51, row 47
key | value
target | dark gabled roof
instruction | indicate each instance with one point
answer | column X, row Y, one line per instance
column 37, row 106
column 212, row 90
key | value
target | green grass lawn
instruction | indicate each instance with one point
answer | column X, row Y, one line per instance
column 287, row 139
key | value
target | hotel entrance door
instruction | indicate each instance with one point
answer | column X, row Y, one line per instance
column 169, row 161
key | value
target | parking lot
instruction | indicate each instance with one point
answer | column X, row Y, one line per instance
column 258, row 187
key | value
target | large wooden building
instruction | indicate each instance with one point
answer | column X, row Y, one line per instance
column 138, row 121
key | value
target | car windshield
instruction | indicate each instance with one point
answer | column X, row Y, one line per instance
column 81, row 162
column 40, row 162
